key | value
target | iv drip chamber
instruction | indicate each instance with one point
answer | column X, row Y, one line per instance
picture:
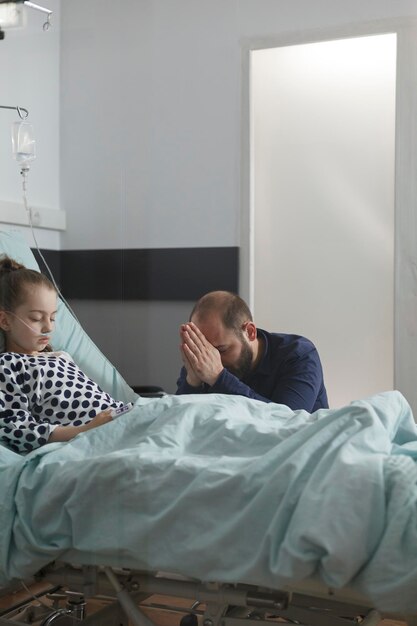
column 23, row 143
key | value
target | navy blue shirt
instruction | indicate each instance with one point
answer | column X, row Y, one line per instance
column 289, row 373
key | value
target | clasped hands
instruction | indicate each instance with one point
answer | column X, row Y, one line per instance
column 201, row 359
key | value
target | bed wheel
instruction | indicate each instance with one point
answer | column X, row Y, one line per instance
column 189, row 620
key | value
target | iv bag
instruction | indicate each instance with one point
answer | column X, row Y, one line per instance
column 23, row 143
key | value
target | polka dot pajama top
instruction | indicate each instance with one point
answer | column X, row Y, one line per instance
column 39, row 393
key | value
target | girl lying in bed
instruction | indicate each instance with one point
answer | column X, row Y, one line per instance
column 44, row 396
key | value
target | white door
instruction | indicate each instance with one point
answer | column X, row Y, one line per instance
column 322, row 154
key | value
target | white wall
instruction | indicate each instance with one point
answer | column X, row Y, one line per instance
column 150, row 105
column 151, row 111
column 151, row 129
column 29, row 70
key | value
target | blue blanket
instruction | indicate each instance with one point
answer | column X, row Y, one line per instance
column 227, row 489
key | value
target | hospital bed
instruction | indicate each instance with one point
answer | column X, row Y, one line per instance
column 204, row 498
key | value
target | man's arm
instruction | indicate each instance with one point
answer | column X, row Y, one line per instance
column 298, row 387
column 301, row 383
column 229, row 383
column 226, row 383
column 202, row 362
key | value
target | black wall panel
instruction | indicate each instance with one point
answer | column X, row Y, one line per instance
column 176, row 274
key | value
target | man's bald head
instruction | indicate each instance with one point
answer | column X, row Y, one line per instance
column 231, row 309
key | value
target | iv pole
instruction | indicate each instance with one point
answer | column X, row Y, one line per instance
column 23, row 113
column 37, row 7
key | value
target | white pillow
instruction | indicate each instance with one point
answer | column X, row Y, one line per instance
column 69, row 334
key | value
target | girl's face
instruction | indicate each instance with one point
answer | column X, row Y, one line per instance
column 24, row 326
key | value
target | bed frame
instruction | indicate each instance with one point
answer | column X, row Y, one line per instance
column 70, row 588
column 211, row 604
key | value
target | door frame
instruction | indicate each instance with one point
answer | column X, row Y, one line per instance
column 405, row 182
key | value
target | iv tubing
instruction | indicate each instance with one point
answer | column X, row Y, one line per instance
column 24, row 172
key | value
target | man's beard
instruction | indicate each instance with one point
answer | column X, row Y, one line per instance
column 244, row 364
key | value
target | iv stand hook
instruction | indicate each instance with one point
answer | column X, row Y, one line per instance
column 23, row 113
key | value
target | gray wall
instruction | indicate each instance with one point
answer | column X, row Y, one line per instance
column 140, row 337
